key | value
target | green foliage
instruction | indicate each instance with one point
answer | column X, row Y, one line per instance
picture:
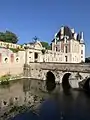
column 21, row 46
column 43, row 51
column 2, row 36
column 5, row 79
column 87, row 60
column 14, row 50
column 8, row 37
column 46, row 45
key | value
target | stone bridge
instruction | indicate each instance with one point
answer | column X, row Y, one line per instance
column 78, row 72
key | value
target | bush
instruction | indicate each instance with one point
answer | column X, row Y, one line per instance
column 14, row 50
column 5, row 79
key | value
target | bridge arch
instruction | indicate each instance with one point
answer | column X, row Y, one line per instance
column 87, row 85
column 65, row 81
column 50, row 81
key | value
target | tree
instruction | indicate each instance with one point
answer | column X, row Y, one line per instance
column 11, row 37
column 46, row 45
column 2, row 37
column 8, row 37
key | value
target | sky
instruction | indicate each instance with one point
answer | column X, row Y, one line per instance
column 43, row 18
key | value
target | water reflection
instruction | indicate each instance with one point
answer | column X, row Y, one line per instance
column 67, row 104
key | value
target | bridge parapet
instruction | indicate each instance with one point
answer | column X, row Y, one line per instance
column 62, row 67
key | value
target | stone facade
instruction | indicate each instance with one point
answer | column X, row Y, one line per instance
column 67, row 47
column 70, row 45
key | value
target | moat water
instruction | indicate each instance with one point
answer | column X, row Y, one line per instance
column 66, row 105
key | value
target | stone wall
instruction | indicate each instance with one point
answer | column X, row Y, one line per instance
column 12, row 66
column 62, row 67
column 39, row 70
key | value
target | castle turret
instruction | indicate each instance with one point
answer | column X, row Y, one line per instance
column 75, row 36
column 82, row 47
column 62, row 30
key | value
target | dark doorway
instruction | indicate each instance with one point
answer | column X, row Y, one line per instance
column 65, row 82
column 35, row 55
column 50, row 82
column 66, row 59
column 87, row 85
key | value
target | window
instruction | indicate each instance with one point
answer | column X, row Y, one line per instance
column 65, row 58
column 30, row 52
column 81, row 51
column 66, row 49
column 6, row 60
column 56, row 49
column 17, row 59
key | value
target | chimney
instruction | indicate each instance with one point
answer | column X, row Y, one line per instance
column 72, row 30
column 62, row 30
column 82, row 36
column 75, row 36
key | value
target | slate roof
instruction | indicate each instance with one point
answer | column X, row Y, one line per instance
column 67, row 32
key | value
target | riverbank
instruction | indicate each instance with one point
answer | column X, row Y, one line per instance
column 11, row 111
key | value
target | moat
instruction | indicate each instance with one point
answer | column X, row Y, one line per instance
column 73, row 104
